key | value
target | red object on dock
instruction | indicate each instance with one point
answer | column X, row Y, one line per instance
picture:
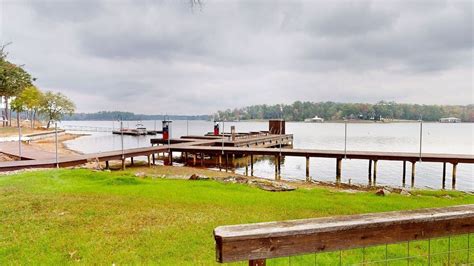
column 216, row 128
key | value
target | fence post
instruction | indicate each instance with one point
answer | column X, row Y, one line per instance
column 259, row 262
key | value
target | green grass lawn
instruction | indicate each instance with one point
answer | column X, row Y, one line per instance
column 69, row 216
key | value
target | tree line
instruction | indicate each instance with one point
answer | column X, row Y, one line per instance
column 298, row 111
column 19, row 94
column 118, row 115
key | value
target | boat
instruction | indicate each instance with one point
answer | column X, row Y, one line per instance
column 450, row 120
column 315, row 119
column 140, row 130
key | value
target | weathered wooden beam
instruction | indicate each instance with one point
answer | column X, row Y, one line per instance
column 297, row 237
column 131, row 161
column 107, row 166
column 154, row 159
column 149, row 160
column 170, row 158
column 123, row 164
column 413, row 174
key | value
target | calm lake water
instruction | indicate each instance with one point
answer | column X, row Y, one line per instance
column 393, row 137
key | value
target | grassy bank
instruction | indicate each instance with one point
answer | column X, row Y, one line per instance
column 67, row 216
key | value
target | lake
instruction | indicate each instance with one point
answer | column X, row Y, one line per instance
column 393, row 137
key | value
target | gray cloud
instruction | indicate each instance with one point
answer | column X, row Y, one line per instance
column 132, row 55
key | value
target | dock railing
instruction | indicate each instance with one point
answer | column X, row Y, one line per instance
column 439, row 236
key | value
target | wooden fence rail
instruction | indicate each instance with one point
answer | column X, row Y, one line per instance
column 260, row 241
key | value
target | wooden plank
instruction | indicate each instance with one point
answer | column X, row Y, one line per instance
column 296, row 237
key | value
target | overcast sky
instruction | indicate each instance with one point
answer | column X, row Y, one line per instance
column 167, row 57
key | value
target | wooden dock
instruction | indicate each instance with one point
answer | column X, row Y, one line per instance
column 224, row 148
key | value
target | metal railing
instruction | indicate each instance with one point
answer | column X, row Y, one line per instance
column 440, row 236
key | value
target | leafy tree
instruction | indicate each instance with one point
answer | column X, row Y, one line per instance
column 13, row 79
column 29, row 100
column 55, row 105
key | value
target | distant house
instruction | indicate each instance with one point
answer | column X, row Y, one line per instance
column 450, row 120
column 315, row 119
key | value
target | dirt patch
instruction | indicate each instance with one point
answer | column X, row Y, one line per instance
column 48, row 144
column 5, row 158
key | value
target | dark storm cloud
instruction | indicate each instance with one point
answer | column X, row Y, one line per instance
column 132, row 54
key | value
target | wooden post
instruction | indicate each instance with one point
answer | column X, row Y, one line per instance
column 107, row 165
column 227, row 162
column 276, row 167
column 259, row 262
column 413, row 174
column 307, row 169
column 149, row 160
column 194, row 159
column 220, row 162
column 375, row 172
column 279, row 167
column 338, row 170
column 251, row 164
column 123, row 164
column 186, row 158
column 202, row 159
column 370, row 172
column 154, row 159
column 453, row 181
column 444, row 176
column 404, row 173
column 131, row 160
column 170, row 158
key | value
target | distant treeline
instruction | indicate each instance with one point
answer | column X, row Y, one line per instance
column 116, row 115
column 298, row 111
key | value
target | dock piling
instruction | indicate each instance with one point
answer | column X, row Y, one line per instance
column 251, row 164
column 107, row 165
column 413, row 174
column 404, row 173
column 370, row 172
column 338, row 170
column 444, row 176
column 307, row 169
column 149, row 160
column 453, row 181
column 375, row 172
column 131, row 161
